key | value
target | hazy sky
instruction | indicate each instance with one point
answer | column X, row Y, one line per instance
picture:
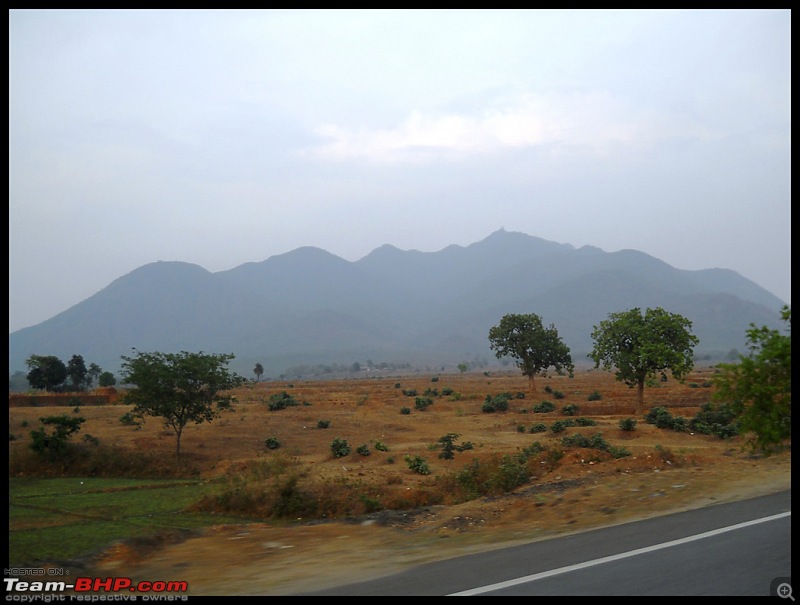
column 224, row 137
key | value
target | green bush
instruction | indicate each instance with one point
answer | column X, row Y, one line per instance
column 323, row 424
column 422, row 403
column 540, row 427
column 129, row 419
column 272, row 443
column 715, row 420
column 417, row 464
column 280, row 401
column 381, row 446
column 544, row 407
column 405, row 411
column 627, row 424
column 496, row 403
column 595, row 396
column 585, row 421
column 340, row 448
column 570, row 409
column 55, row 443
column 558, row 395
column 559, row 426
column 663, row 419
column 363, row 450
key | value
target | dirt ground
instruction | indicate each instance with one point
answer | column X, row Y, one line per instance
column 666, row 472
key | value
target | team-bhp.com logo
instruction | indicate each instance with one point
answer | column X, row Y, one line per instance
column 94, row 589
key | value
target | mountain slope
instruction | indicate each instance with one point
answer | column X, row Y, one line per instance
column 309, row 306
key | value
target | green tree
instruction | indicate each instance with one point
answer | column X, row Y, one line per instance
column 535, row 348
column 759, row 387
column 55, row 443
column 106, row 379
column 179, row 387
column 46, row 372
column 463, row 367
column 93, row 375
column 77, row 372
column 641, row 347
column 258, row 371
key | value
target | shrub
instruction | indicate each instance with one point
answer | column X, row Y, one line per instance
column 540, row 427
column 55, row 443
column 323, row 424
column 381, row 446
column 363, row 450
column 417, row 464
column 340, row 448
column 410, row 392
column 570, row 409
column 496, row 403
column 660, row 417
column 595, row 396
column 715, row 420
column 585, row 421
column 627, row 424
column 405, row 411
column 558, row 395
column 280, row 401
column 129, row 419
column 544, row 407
column 423, row 402
column 272, row 443
column 663, row 419
column 559, row 426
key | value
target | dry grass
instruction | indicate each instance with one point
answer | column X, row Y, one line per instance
column 666, row 471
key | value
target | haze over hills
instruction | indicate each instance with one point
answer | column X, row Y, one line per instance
column 308, row 306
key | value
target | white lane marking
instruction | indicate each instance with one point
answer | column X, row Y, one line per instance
column 609, row 559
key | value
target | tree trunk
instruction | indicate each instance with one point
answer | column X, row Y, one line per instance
column 532, row 384
column 639, row 399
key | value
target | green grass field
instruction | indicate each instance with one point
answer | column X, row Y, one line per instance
column 64, row 519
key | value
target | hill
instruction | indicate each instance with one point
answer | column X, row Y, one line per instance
column 433, row 309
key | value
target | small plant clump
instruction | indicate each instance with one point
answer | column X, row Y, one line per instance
column 272, row 443
column 280, row 401
column 340, row 448
column 418, row 464
column 544, row 407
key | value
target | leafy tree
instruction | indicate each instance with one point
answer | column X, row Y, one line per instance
column 47, row 372
column 93, row 375
column 106, row 379
column 759, row 387
column 463, row 367
column 179, row 387
column 55, row 443
column 535, row 348
column 640, row 347
column 77, row 372
column 258, row 371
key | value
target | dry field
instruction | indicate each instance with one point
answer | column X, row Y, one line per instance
column 666, row 471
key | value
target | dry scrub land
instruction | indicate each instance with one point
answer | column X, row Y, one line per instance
column 666, row 471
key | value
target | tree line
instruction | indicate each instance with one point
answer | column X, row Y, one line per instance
column 49, row 373
column 639, row 346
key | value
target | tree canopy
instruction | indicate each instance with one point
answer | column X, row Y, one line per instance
column 759, row 387
column 642, row 346
column 47, row 372
column 535, row 348
column 179, row 387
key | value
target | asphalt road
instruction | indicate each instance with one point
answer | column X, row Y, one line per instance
column 734, row 549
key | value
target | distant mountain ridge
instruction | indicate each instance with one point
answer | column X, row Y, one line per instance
column 309, row 306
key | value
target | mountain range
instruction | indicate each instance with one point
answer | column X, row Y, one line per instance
column 309, row 306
